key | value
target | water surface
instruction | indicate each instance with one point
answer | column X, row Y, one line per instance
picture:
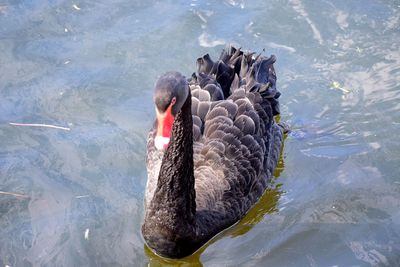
column 75, row 198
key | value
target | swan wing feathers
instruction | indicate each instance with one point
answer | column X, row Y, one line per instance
column 233, row 104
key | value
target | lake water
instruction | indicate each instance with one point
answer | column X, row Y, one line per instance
column 75, row 197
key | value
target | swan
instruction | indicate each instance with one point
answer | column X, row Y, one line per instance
column 212, row 151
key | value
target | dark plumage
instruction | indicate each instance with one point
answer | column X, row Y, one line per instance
column 223, row 148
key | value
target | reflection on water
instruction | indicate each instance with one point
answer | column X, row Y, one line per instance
column 75, row 198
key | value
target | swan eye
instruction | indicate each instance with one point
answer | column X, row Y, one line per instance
column 173, row 101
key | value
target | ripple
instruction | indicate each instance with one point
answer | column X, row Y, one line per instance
column 299, row 8
column 205, row 40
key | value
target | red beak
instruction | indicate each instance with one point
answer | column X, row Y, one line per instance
column 164, row 127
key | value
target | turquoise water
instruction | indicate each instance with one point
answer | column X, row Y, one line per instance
column 73, row 196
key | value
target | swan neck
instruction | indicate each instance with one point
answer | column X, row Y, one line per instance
column 176, row 175
column 170, row 217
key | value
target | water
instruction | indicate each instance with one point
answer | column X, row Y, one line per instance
column 77, row 196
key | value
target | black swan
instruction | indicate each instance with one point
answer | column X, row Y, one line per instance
column 212, row 150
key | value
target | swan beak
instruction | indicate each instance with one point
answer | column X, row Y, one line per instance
column 161, row 142
column 164, row 128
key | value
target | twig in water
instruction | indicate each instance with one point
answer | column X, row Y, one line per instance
column 82, row 196
column 13, row 194
column 87, row 233
column 40, row 125
column 336, row 85
column 76, row 7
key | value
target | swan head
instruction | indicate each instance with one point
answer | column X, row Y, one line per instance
column 170, row 93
